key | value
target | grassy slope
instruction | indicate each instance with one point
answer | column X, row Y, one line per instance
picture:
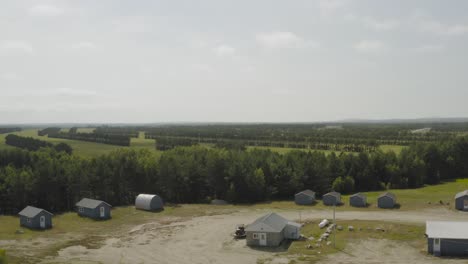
column 83, row 148
column 409, row 199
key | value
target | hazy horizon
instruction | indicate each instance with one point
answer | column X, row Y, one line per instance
column 64, row 61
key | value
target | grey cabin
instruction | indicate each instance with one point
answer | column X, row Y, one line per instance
column 149, row 202
column 35, row 218
column 305, row 197
column 446, row 238
column 461, row 201
column 358, row 200
column 270, row 230
column 386, row 200
column 94, row 209
column 219, row 202
column 331, row 198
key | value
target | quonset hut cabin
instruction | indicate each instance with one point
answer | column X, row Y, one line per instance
column 149, row 202
column 94, row 209
column 35, row 218
column 270, row 230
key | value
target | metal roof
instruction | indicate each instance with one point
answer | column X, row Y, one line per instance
column 336, row 194
column 271, row 222
column 461, row 194
column 388, row 194
column 31, row 211
column 90, row 203
column 447, row 229
column 307, row 192
column 360, row 195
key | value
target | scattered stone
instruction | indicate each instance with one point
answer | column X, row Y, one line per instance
column 19, row 231
column 309, row 246
column 350, row 228
column 339, row 228
column 328, row 243
column 379, row 229
column 319, row 240
column 311, row 238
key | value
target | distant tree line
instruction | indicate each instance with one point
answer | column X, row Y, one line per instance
column 56, row 180
column 5, row 130
column 33, row 144
column 48, row 131
column 119, row 131
column 94, row 137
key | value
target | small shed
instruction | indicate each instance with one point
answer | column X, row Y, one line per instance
column 270, row 230
column 35, row 218
column 331, row 198
column 446, row 238
column 461, row 201
column 149, row 202
column 358, row 200
column 386, row 200
column 219, row 202
column 94, row 209
column 305, row 197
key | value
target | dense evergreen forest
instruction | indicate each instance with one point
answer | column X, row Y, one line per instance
column 55, row 180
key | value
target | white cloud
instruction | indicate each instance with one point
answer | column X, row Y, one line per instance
column 424, row 23
column 370, row 46
column 72, row 92
column 132, row 24
column 430, row 49
column 224, row 50
column 202, row 67
column 9, row 76
column 45, row 10
column 375, row 24
column 280, row 39
column 328, row 7
column 15, row 47
column 83, row 45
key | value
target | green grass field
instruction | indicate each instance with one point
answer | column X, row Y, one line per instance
column 362, row 230
column 395, row 148
column 286, row 150
column 83, row 148
column 408, row 199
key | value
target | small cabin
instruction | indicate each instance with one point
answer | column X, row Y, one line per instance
column 331, row 198
column 358, row 200
column 35, row 218
column 386, row 200
column 94, row 209
column 306, row 197
column 461, row 201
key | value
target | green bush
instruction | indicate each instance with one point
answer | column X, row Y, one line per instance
column 2, row 256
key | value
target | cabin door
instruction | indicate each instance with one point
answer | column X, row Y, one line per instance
column 465, row 204
column 102, row 211
column 263, row 240
column 436, row 246
column 42, row 221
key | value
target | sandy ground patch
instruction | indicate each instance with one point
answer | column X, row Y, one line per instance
column 208, row 239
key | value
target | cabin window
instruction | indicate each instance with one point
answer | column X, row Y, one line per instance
column 437, row 241
column 81, row 209
column 28, row 220
column 255, row 236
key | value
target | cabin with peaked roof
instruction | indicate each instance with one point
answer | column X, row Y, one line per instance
column 386, row 200
column 358, row 200
column 94, row 209
column 306, row 197
column 461, row 201
column 35, row 218
column 331, row 198
column 270, row 230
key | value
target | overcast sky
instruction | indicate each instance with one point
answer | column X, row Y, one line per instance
column 215, row 60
